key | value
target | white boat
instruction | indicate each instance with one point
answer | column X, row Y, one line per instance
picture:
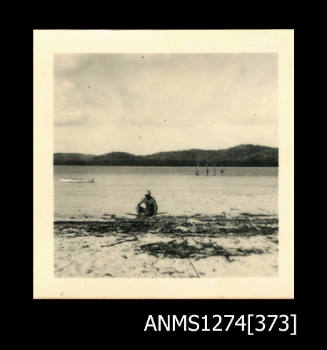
column 78, row 180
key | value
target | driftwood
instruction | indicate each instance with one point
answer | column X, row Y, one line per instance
column 193, row 267
column 126, row 240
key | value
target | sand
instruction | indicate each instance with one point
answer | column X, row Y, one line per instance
column 196, row 246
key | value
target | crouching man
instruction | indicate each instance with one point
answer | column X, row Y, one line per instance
column 150, row 208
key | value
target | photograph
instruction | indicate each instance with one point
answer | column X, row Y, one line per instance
column 159, row 167
column 165, row 165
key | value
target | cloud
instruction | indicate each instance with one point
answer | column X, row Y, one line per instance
column 171, row 96
column 73, row 118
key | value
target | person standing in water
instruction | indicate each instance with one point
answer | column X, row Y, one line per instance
column 150, row 208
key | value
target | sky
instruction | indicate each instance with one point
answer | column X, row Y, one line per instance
column 148, row 103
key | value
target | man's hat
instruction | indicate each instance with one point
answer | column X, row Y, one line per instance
column 148, row 193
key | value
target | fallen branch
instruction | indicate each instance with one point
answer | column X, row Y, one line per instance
column 190, row 260
column 126, row 240
column 193, row 267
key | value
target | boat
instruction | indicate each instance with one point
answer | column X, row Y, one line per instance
column 78, row 180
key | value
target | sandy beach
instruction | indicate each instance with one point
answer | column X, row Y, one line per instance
column 195, row 246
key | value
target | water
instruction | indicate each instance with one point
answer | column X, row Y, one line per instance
column 177, row 190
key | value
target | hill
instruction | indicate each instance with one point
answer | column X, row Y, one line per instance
column 72, row 158
column 242, row 155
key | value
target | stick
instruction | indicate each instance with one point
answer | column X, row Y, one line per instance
column 145, row 215
column 193, row 267
column 127, row 240
column 191, row 262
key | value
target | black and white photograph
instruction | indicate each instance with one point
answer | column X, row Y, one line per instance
column 166, row 165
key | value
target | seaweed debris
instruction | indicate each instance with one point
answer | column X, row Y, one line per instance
column 209, row 226
column 183, row 250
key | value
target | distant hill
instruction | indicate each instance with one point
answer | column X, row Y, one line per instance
column 72, row 158
column 242, row 155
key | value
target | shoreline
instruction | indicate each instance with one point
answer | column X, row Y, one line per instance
column 184, row 246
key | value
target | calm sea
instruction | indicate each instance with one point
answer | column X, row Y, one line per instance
column 117, row 189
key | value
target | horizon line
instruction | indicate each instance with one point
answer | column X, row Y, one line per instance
column 179, row 150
